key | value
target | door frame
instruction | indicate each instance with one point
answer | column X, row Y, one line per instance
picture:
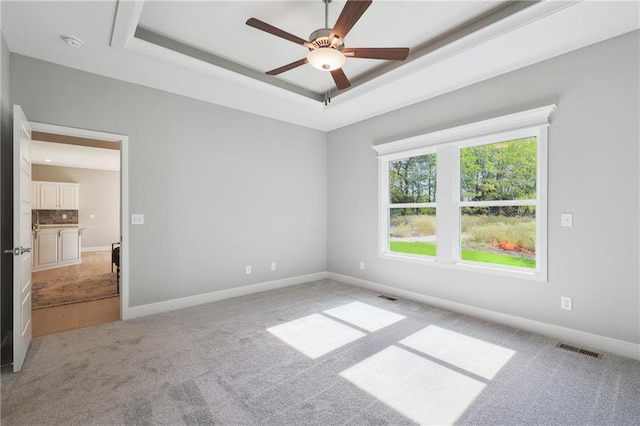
column 123, row 140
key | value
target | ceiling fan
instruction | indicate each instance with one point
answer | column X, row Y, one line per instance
column 327, row 51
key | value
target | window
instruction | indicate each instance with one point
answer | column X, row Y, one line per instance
column 412, row 202
column 498, row 198
column 471, row 197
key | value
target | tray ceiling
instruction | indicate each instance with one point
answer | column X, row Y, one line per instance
column 218, row 29
column 204, row 50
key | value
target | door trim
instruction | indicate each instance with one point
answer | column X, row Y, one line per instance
column 123, row 140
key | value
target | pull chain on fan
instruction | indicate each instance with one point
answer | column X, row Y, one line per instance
column 327, row 51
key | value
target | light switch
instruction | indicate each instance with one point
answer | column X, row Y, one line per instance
column 566, row 219
column 137, row 219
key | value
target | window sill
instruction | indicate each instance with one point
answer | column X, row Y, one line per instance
column 469, row 266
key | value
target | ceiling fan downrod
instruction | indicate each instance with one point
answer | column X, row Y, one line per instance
column 326, row 12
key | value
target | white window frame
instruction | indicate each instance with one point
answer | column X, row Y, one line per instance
column 389, row 205
column 447, row 144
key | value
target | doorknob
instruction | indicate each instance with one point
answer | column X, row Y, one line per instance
column 18, row 251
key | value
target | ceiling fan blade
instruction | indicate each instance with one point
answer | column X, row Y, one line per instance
column 342, row 82
column 389, row 53
column 256, row 23
column 350, row 14
column 288, row 67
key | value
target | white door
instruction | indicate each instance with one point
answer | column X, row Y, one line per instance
column 21, row 237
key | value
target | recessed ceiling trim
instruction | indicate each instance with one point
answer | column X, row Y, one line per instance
column 468, row 28
column 176, row 46
column 485, row 29
column 125, row 22
column 488, row 18
column 482, row 29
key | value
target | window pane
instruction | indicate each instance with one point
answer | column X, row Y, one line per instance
column 413, row 230
column 499, row 235
column 499, row 171
column 413, row 180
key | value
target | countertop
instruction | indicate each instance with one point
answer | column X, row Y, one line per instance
column 67, row 225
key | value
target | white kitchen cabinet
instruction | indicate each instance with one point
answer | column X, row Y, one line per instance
column 56, row 247
column 55, row 195
column 46, row 247
column 48, row 195
column 69, row 245
column 68, row 194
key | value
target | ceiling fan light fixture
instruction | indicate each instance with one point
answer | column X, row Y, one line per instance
column 326, row 59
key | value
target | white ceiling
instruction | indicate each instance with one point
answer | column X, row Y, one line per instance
column 66, row 155
column 145, row 42
column 261, row 51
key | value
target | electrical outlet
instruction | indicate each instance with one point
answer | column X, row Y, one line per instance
column 92, row 216
column 248, row 269
column 137, row 219
column 566, row 219
column 566, row 303
column 273, row 266
column 362, row 265
column 64, row 216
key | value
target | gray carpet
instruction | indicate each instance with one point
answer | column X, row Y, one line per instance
column 218, row 364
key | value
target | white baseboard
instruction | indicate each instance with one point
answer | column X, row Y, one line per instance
column 186, row 302
column 568, row 335
column 97, row 248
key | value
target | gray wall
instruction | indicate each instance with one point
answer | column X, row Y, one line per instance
column 99, row 195
column 220, row 189
column 6, row 213
column 593, row 172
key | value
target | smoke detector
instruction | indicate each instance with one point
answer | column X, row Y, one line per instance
column 72, row 41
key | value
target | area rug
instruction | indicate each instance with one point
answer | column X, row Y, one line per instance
column 61, row 291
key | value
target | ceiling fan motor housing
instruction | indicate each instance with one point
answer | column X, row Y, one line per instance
column 320, row 38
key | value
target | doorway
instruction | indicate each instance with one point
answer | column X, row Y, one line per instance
column 79, row 269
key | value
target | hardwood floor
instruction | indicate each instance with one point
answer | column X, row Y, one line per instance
column 56, row 319
column 74, row 315
column 93, row 263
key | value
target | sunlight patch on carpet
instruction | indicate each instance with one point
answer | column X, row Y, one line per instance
column 315, row 335
column 471, row 354
column 365, row 316
column 420, row 389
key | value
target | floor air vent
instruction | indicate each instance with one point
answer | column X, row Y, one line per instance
column 384, row 296
column 578, row 350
